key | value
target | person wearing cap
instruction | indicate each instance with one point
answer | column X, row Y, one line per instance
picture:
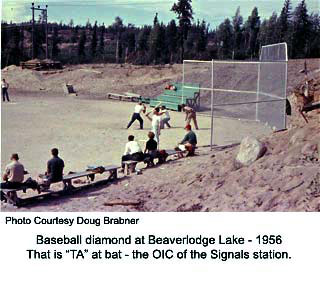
column 189, row 141
column 4, row 87
column 190, row 115
column 140, row 107
column 14, row 174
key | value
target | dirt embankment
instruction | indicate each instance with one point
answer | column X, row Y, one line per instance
column 95, row 81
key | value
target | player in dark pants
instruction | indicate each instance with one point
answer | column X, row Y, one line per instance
column 136, row 115
column 4, row 87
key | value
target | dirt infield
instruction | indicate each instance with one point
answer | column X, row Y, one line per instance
column 92, row 132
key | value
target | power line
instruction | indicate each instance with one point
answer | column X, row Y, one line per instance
column 110, row 4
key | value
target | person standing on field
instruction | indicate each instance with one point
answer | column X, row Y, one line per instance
column 155, row 123
column 165, row 118
column 136, row 115
column 190, row 115
column 5, row 87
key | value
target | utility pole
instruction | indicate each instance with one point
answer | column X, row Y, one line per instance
column 45, row 15
column 117, row 47
column 32, row 8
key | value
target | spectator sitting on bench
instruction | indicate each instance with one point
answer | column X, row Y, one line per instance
column 151, row 150
column 54, row 171
column 132, row 152
column 189, row 141
column 14, row 174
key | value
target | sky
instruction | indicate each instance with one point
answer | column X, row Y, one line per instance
column 141, row 12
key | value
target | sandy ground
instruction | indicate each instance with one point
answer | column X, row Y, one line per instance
column 93, row 132
column 90, row 130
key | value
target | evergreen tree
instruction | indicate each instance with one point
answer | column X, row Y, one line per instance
column 237, row 22
column 143, row 38
column 5, row 38
column 94, row 41
column 314, row 50
column 171, row 39
column 118, row 28
column 273, row 33
column 156, row 41
column 202, row 39
column 284, row 21
column 143, row 47
column 88, row 24
column 301, row 30
column 263, row 33
column 15, row 52
column 155, row 20
column 101, row 40
column 131, row 39
column 22, row 43
column 184, row 12
column 74, row 34
column 253, row 26
column 226, row 39
column 81, row 46
column 55, row 42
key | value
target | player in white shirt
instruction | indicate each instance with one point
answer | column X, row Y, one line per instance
column 136, row 115
column 155, row 123
column 165, row 117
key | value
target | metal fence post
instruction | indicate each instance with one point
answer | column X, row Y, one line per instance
column 212, row 137
column 258, row 91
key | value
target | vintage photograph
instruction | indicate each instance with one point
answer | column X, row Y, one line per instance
column 160, row 106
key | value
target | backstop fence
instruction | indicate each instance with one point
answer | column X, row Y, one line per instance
column 248, row 90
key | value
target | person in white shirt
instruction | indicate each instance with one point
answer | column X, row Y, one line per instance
column 165, row 117
column 136, row 115
column 133, row 152
column 4, row 87
column 155, row 123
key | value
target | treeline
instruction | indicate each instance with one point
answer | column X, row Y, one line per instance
column 183, row 38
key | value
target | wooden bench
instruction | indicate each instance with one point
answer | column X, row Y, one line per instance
column 12, row 197
column 131, row 165
column 133, row 96
column 90, row 174
column 127, row 96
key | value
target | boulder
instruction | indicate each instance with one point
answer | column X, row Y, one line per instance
column 250, row 150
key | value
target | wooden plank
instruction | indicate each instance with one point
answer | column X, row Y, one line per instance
column 130, row 94
column 115, row 94
column 11, row 196
column 77, row 175
column 123, row 96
